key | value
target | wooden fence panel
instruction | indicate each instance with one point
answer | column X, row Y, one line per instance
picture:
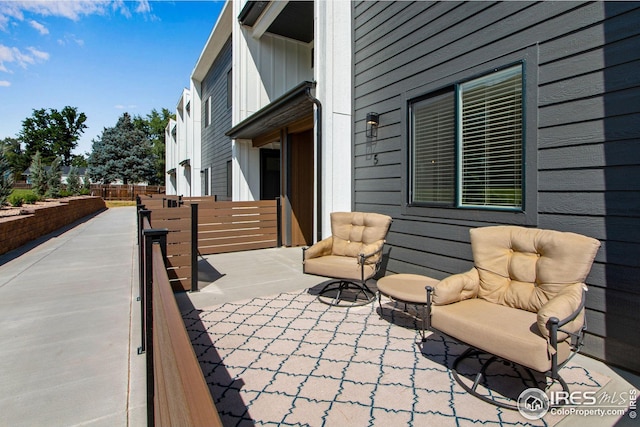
column 237, row 226
column 181, row 396
column 124, row 192
column 179, row 256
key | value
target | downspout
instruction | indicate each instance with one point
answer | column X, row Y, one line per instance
column 316, row 101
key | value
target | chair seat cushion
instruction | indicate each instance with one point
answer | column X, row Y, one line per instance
column 509, row 333
column 341, row 267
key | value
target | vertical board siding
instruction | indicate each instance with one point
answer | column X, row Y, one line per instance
column 216, row 146
column 585, row 141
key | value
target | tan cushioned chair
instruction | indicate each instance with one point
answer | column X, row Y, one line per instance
column 352, row 254
column 523, row 301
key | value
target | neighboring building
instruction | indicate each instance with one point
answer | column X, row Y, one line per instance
column 187, row 157
column 212, row 80
column 80, row 171
column 505, row 113
column 171, row 157
column 268, row 113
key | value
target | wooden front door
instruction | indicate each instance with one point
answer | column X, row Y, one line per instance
column 301, row 187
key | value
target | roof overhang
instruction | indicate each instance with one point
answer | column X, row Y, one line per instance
column 290, row 19
column 217, row 39
column 251, row 12
column 290, row 107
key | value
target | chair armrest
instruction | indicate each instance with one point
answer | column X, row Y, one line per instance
column 567, row 309
column 319, row 249
column 456, row 288
column 371, row 253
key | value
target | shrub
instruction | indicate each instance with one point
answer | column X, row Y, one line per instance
column 30, row 198
column 16, row 200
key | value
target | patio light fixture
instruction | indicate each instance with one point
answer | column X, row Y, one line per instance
column 373, row 120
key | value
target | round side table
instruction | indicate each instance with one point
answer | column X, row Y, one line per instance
column 406, row 288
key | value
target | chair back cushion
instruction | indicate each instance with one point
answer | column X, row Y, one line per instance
column 352, row 231
column 525, row 267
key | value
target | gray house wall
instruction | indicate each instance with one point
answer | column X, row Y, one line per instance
column 216, row 146
column 582, row 121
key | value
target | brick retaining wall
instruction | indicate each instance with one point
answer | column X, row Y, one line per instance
column 17, row 230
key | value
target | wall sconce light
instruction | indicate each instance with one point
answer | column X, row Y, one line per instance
column 373, row 120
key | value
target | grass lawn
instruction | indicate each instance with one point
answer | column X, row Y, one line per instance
column 119, row 203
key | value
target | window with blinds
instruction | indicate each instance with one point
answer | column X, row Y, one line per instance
column 469, row 153
column 491, row 140
column 433, row 130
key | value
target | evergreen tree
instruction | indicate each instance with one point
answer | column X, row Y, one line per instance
column 6, row 178
column 54, row 178
column 38, row 175
column 17, row 158
column 86, row 184
column 73, row 182
column 122, row 153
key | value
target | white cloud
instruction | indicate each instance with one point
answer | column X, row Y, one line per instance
column 14, row 10
column 125, row 107
column 70, row 38
column 9, row 55
column 143, row 7
column 39, row 27
column 38, row 54
column 67, row 9
column 4, row 83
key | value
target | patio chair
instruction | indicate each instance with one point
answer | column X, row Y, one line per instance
column 352, row 255
column 522, row 302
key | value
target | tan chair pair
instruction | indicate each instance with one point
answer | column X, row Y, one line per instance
column 523, row 300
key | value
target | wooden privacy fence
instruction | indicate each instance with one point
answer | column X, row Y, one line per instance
column 225, row 226
column 177, row 393
column 238, row 226
column 181, row 252
column 124, row 191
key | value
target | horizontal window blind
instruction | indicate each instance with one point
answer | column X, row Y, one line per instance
column 490, row 138
column 433, row 130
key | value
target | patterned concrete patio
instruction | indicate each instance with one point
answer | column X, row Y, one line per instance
column 239, row 276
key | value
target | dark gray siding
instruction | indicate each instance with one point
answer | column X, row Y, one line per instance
column 216, row 146
column 582, row 104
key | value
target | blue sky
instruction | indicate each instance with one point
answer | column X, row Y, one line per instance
column 103, row 57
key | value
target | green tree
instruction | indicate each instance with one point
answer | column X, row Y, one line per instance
column 6, row 178
column 17, row 158
column 80, row 160
column 38, row 175
column 53, row 133
column 154, row 126
column 86, row 184
column 73, row 182
column 54, row 178
column 122, row 153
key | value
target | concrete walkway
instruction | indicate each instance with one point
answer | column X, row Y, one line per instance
column 69, row 327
